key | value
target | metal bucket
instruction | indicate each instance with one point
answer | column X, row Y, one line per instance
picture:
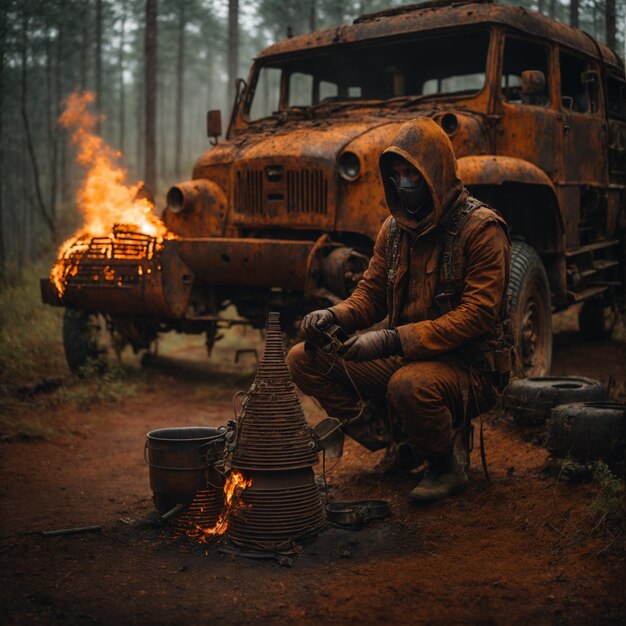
column 182, row 463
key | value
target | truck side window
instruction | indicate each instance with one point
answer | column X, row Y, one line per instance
column 577, row 94
column 616, row 98
column 521, row 56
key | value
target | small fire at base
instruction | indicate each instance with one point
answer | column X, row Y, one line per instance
column 233, row 489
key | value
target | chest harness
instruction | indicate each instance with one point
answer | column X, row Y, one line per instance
column 498, row 361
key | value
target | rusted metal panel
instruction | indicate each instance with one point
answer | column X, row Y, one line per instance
column 203, row 210
column 496, row 170
column 158, row 286
column 433, row 17
column 247, row 262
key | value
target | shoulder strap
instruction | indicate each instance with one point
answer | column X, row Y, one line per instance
column 447, row 298
column 392, row 252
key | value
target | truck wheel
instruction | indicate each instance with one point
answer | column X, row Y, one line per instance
column 597, row 319
column 531, row 311
column 84, row 340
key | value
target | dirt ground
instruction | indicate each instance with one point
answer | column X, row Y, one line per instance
column 523, row 549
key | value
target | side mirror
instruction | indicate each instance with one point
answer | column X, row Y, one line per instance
column 533, row 83
column 214, row 125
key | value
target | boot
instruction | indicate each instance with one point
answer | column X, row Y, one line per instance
column 447, row 472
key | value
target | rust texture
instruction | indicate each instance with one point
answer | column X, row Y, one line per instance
column 203, row 512
column 275, row 449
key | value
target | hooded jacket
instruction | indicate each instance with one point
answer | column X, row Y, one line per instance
column 482, row 260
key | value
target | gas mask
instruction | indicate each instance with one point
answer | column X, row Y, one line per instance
column 414, row 196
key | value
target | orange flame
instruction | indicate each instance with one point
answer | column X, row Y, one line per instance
column 233, row 489
column 104, row 198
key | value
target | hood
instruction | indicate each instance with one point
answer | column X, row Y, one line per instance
column 425, row 145
column 315, row 140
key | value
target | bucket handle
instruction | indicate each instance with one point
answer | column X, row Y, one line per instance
column 146, row 447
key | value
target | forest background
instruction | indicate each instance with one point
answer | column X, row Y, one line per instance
column 155, row 67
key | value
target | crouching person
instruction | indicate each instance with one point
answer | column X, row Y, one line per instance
column 439, row 273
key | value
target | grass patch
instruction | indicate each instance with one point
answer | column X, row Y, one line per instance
column 31, row 347
column 35, row 382
column 96, row 386
column 609, row 499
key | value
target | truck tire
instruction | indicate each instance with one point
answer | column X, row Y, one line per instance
column 531, row 311
column 530, row 400
column 83, row 340
column 597, row 319
column 588, row 431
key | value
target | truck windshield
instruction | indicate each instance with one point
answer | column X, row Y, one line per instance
column 453, row 65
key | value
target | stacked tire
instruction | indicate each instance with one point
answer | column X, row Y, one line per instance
column 589, row 431
column 530, row 400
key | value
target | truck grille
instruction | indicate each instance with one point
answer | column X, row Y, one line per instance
column 307, row 192
column 249, row 197
column 297, row 191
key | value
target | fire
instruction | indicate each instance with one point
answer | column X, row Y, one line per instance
column 105, row 199
column 233, row 489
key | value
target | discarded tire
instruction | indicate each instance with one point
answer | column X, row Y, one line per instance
column 588, row 431
column 530, row 400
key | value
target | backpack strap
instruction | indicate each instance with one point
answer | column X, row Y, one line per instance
column 392, row 253
column 448, row 297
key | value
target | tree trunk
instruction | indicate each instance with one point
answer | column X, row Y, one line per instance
column 139, row 125
column 233, row 45
column 99, row 65
column 29, row 140
column 610, row 24
column 180, row 89
column 3, row 27
column 162, row 127
column 541, row 6
column 83, row 55
column 552, row 9
column 312, row 15
column 59, row 168
column 150, row 95
column 573, row 13
column 122, row 116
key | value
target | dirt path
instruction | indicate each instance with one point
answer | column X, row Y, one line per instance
column 520, row 550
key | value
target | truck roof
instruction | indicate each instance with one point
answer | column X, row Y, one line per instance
column 441, row 14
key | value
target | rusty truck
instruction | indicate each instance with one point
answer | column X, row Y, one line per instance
column 281, row 214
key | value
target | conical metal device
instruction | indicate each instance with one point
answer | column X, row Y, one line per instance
column 272, row 433
column 275, row 449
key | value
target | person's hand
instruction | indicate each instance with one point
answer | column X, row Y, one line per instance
column 315, row 322
column 377, row 344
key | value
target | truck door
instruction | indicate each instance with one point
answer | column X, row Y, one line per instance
column 529, row 127
column 583, row 137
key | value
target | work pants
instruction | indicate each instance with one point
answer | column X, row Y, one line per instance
column 429, row 398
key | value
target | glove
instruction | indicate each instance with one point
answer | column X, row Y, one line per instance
column 377, row 344
column 315, row 322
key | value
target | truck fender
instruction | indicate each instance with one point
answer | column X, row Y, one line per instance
column 491, row 170
column 496, row 170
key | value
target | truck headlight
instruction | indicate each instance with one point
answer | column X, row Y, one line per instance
column 349, row 166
